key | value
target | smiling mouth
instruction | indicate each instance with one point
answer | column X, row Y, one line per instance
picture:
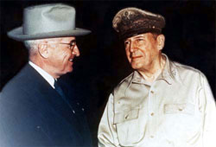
column 135, row 57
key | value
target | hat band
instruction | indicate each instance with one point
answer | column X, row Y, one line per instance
column 37, row 28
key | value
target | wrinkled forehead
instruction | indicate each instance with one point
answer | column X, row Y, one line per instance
column 61, row 39
column 144, row 35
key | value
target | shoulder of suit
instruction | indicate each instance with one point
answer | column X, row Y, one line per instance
column 24, row 80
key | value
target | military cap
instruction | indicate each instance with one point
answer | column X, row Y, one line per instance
column 132, row 21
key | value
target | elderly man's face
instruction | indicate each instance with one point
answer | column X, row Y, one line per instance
column 142, row 51
column 62, row 51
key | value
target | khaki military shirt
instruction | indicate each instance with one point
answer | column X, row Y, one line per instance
column 176, row 110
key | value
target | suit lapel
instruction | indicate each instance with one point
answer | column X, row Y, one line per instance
column 47, row 93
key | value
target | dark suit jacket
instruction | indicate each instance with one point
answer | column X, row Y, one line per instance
column 32, row 113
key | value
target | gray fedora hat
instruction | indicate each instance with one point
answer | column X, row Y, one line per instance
column 47, row 21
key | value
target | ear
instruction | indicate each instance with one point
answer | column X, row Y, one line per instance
column 160, row 41
column 43, row 50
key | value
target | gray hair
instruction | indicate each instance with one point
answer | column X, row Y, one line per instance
column 32, row 46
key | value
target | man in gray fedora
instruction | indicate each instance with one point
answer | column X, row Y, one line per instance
column 34, row 109
column 161, row 103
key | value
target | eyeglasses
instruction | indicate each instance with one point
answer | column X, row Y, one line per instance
column 72, row 44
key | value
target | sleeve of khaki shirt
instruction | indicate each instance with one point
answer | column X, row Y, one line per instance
column 207, row 103
column 107, row 135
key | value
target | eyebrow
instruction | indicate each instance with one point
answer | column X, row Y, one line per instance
column 140, row 36
column 137, row 37
column 73, row 40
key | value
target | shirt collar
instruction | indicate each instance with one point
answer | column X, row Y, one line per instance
column 43, row 73
column 168, row 74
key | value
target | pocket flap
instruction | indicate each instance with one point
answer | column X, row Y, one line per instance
column 125, row 116
column 179, row 108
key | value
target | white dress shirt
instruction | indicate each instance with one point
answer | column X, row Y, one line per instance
column 176, row 110
column 44, row 74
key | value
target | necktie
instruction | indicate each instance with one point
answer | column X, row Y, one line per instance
column 61, row 93
column 59, row 90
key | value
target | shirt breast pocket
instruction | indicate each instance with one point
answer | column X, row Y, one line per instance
column 181, row 121
column 184, row 108
column 127, row 125
column 180, row 116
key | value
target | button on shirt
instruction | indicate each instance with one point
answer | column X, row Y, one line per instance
column 176, row 110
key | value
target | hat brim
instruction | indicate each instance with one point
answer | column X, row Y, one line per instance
column 17, row 34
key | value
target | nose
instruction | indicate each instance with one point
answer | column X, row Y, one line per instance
column 132, row 46
column 76, row 51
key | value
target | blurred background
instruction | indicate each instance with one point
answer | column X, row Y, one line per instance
column 190, row 39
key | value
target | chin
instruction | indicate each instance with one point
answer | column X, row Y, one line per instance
column 68, row 70
column 136, row 65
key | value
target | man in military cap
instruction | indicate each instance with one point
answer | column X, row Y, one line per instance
column 34, row 109
column 162, row 103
